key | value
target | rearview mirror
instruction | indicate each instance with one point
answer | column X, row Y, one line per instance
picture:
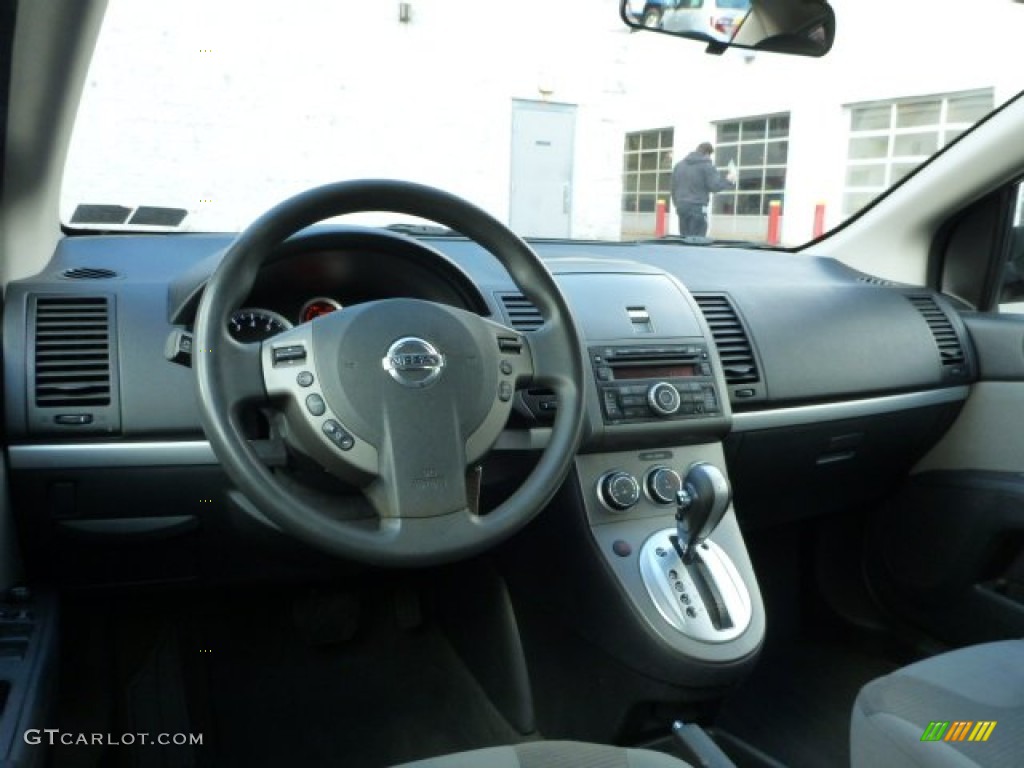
column 801, row 27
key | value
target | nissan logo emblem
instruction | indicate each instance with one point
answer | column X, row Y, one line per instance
column 413, row 362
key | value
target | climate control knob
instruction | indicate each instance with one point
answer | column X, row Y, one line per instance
column 618, row 490
column 663, row 398
column 663, row 484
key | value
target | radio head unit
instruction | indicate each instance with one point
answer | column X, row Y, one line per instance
column 655, row 382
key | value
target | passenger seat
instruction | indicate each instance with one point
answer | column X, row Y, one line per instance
column 939, row 711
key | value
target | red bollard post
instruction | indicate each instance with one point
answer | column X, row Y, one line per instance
column 819, row 220
column 774, row 221
column 661, row 220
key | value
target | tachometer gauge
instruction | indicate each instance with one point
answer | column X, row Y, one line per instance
column 255, row 324
column 313, row 308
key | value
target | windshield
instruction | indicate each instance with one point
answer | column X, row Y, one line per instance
column 199, row 115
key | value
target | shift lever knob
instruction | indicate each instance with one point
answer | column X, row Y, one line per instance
column 700, row 506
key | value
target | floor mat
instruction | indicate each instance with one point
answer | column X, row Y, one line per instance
column 386, row 696
column 269, row 681
column 796, row 705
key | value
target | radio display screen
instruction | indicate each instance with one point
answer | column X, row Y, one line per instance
column 653, row 372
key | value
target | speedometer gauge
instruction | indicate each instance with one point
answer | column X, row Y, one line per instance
column 313, row 308
column 255, row 324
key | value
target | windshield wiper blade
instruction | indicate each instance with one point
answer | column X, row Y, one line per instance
column 421, row 230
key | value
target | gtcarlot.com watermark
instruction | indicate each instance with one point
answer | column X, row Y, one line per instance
column 54, row 736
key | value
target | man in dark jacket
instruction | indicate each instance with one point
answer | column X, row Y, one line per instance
column 694, row 180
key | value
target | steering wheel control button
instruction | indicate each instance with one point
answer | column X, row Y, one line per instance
column 304, row 379
column 505, row 391
column 506, row 367
column 663, row 398
column 622, row 548
column 619, row 490
column 413, row 362
column 337, row 435
column 663, row 484
column 291, row 354
column 611, row 405
column 316, row 406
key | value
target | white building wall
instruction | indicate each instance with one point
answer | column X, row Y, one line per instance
column 368, row 96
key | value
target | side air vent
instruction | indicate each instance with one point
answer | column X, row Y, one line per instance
column 88, row 273
column 730, row 337
column 522, row 315
column 72, row 352
column 950, row 349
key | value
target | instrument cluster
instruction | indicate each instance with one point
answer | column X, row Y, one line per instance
column 253, row 324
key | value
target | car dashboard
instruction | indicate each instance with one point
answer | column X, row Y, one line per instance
column 808, row 385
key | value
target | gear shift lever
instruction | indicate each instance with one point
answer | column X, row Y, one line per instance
column 700, row 506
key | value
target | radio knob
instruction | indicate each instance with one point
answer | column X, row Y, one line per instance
column 663, row 484
column 619, row 490
column 663, row 398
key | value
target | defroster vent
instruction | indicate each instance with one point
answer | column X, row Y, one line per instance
column 72, row 351
column 730, row 336
column 951, row 350
column 522, row 315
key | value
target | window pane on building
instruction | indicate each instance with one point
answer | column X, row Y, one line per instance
column 724, row 204
column 911, row 114
column 748, row 205
column 645, row 203
column 866, row 175
column 725, row 155
column 969, row 108
column 778, row 127
column 871, row 118
column 753, row 130
column 776, row 152
column 728, row 133
column 869, row 148
column 899, row 170
column 752, row 154
column 775, row 179
column 751, row 180
column 916, row 144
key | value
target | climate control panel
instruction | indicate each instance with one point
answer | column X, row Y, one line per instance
column 620, row 490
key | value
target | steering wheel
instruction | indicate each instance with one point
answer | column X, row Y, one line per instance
column 398, row 397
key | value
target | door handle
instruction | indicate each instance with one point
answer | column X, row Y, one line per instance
column 566, row 197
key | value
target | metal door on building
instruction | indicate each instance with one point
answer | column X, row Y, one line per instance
column 542, row 157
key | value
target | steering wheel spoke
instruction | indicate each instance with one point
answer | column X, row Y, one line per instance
column 417, row 483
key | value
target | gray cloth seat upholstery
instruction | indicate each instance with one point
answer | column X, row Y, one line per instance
column 552, row 754
column 981, row 683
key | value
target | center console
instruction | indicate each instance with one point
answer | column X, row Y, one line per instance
column 652, row 482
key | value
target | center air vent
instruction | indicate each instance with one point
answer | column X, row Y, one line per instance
column 88, row 273
column 72, row 352
column 730, row 337
column 522, row 315
column 950, row 349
